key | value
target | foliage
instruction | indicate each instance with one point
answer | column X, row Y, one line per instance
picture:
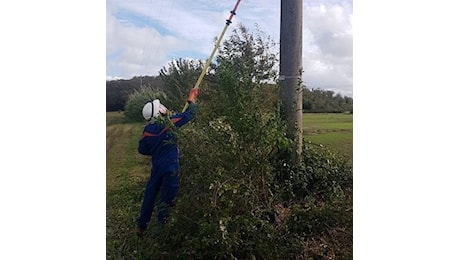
column 325, row 101
column 322, row 172
column 137, row 100
column 220, row 211
column 117, row 91
column 251, row 56
column 233, row 204
column 179, row 78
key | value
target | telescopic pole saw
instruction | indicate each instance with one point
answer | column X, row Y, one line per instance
column 208, row 62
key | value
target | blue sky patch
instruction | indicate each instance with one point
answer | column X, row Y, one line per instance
column 140, row 21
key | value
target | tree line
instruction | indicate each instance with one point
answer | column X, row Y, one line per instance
column 118, row 91
column 315, row 100
column 318, row 100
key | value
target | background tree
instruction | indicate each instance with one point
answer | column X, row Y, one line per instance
column 179, row 78
column 136, row 101
column 325, row 101
column 315, row 100
column 246, row 72
column 117, row 91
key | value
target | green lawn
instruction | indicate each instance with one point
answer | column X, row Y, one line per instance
column 126, row 174
column 114, row 118
column 334, row 131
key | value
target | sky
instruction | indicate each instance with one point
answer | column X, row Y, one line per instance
column 142, row 36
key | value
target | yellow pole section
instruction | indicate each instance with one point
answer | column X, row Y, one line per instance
column 208, row 62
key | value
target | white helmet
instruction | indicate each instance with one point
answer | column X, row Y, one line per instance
column 153, row 109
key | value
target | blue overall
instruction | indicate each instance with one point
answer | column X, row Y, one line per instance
column 159, row 143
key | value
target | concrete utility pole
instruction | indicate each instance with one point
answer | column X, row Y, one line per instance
column 291, row 72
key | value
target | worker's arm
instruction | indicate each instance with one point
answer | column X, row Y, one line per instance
column 184, row 117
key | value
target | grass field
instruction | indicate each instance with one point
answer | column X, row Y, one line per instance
column 334, row 131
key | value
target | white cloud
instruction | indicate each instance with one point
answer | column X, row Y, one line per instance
column 328, row 54
column 137, row 51
column 188, row 28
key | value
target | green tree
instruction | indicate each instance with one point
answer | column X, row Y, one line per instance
column 325, row 101
column 252, row 56
column 246, row 67
column 117, row 91
column 137, row 100
column 179, row 78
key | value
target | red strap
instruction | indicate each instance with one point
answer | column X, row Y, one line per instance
column 147, row 134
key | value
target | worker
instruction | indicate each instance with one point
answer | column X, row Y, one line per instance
column 159, row 141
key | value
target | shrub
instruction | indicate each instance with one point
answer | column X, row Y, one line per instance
column 321, row 172
column 137, row 100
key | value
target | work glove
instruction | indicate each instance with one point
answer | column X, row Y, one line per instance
column 192, row 95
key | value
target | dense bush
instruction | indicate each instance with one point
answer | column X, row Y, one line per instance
column 179, row 78
column 117, row 91
column 321, row 172
column 234, row 203
column 137, row 100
